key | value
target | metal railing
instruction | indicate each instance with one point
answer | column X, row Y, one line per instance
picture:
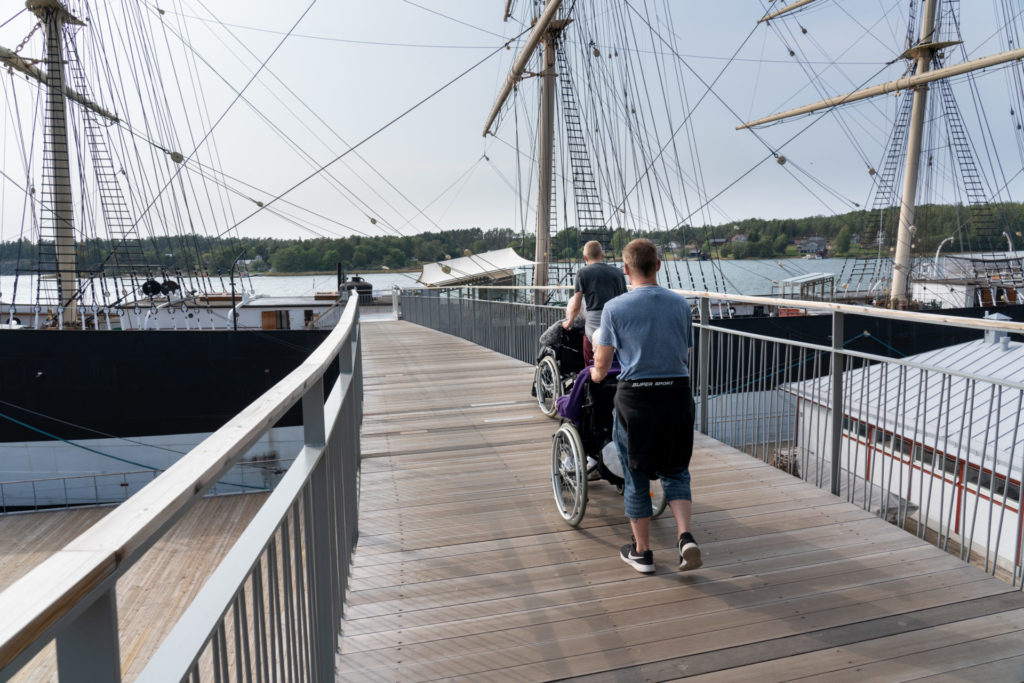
column 274, row 604
column 502, row 321
column 931, row 442
column 116, row 487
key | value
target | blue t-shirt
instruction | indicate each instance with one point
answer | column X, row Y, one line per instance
column 650, row 330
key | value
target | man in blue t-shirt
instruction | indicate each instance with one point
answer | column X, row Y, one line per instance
column 649, row 330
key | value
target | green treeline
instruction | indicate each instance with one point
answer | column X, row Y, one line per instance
column 851, row 233
column 197, row 253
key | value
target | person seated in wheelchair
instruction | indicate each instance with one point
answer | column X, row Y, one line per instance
column 588, row 407
column 559, row 361
column 565, row 344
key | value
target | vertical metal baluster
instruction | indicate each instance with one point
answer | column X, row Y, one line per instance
column 729, row 395
column 878, row 444
column 312, row 587
column 944, row 400
column 274, row 613
column 222, row 661
column 289, row 599
column 787, row 417
column 747, row 379
column 806, row 378
column 704, row 359
column 216, row 645
column 721, row 386
column 896, row 429
column 849, row 402
column 242, row 619
column 1015, row 562
column 958, row 483
column 762, row 397
column 302, row 612
column 809, row 378
column 905, row 467
column 981, row 471
column 918, row 438
column 837, row 397
column 259, row 617
column 239, row 635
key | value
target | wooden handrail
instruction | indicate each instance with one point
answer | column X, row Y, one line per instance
column 38, row 600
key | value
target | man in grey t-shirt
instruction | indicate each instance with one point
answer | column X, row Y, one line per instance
column 597, row 283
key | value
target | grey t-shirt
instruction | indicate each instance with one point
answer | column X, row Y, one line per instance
column 650, row 330
column 600, row 283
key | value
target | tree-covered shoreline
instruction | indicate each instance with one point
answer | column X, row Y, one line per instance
column 847, row 234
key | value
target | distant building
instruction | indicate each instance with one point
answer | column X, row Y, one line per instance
column 813, row 245
column 716, row 241
column 739, row 238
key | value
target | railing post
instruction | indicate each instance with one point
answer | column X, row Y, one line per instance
column 704, row 360
column 837, row 398
column 396, row 295
column 89, row 647
column 323, row 591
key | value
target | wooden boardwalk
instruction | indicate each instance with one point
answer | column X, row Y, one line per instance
column 465, row 570
column 154, row 593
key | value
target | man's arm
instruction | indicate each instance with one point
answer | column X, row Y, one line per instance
column 603, row 356
column 572, row 309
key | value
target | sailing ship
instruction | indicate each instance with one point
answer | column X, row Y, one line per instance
column 983, row 273
column 617, row 151
column 113, row 366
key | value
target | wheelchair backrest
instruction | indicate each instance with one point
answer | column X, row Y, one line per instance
column 570, row 351
column 598, row 403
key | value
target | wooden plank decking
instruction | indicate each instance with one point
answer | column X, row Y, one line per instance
column 154, row 593
column 465, row 570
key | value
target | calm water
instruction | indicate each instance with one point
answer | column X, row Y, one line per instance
column 736, row 277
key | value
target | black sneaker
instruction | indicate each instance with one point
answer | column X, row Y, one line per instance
column 689, row 553
column 642, row 562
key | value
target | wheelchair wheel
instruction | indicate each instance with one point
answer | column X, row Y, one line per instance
column 658, row 502
column 569, row 474
column 547, row 385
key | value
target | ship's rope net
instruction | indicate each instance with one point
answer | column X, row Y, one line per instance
column 636, row 96
column 140, row 61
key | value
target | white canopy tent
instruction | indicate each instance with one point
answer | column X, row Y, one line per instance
column 473, row 269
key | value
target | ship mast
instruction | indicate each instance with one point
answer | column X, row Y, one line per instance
column 546, row 31
column 903, row 259
column 923, row 52
column 56, row 168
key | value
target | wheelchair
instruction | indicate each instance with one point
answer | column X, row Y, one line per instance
column 586, row 431
column 557, row 367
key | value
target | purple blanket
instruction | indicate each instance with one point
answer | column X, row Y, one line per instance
column 570, row 406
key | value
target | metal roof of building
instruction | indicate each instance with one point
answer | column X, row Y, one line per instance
column 941, row 409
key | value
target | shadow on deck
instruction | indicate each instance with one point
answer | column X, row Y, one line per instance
column 465, row 569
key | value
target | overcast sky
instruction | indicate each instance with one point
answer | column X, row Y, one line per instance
column 350, row 68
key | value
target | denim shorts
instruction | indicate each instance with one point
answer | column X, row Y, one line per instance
column 637, row 490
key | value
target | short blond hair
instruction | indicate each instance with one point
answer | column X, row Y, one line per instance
column 592, row 251
column 642, row 256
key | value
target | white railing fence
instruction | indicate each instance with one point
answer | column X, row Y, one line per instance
column 933, row 443
column 272, row 609
column 497, row 318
